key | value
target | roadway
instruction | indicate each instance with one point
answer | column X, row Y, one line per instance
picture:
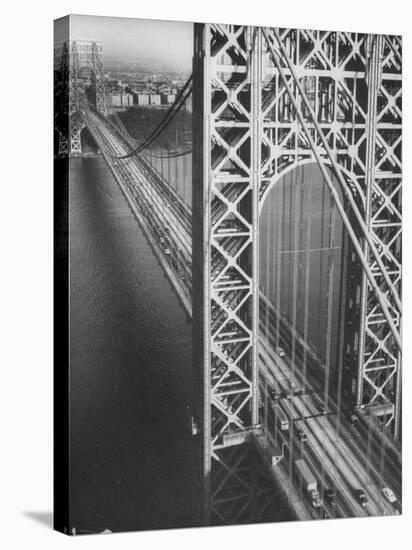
column 167, row 220
column 334, row 455
column 379, row 456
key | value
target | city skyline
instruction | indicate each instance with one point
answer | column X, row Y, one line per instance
column 131, row 40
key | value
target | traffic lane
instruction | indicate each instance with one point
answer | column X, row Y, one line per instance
column 124, row 174
column 357, row 510
column 375, row 444
column 134, row 168
column 181, row 245
column 377, row 504
column 380, row 504
column 323, row 437
column 346, row 438
column 331, row 461
column 393, row 470
column 350, row 463
column 344, row 505
column 317, row 460
column 182, row 210
column 348, row 457
column 371, row 470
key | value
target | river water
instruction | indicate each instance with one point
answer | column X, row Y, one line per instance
column 131, row 382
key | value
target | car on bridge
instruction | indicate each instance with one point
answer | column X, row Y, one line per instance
column 330, row 496
column 361, row 497
column 281, row 417
column 275, row 395
column 280, row 351
column 302, row 435
column 308, row 482
column 389, row 494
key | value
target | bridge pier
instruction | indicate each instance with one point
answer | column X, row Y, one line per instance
column 227, row 172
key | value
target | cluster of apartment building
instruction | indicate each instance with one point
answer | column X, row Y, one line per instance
column 130, row 89
column 122, row 100
column 119, row 101
column 120, row 95
column 148, row 98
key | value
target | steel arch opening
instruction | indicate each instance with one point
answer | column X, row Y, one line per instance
column 302, row 262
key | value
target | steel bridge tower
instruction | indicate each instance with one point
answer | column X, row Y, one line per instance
column 70, row 58
column 265, row 102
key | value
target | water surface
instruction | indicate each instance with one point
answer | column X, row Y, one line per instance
column 130, row 383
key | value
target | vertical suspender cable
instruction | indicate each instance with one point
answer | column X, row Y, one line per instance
column 307, row 279
column 329, row 310
column 268, row 271
column 329, row 296
column 295, row 254
column 321, row 263
column 342, row 322
column 279, row 272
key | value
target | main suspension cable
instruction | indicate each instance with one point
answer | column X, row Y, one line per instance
column 170, row 115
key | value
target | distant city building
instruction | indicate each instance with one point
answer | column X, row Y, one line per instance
column 168, row 99
column 142, row 99
column 155, row 99
column 118, row 101
column 148, row 89
column 189, row 104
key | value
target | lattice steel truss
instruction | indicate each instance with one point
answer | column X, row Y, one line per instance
column 69, row 59
column 226, row 186
column 379, row 379
column 247, row 135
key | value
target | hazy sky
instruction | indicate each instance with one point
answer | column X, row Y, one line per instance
column 167, row 43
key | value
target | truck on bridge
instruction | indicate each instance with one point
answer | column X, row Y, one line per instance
column 280, row 416
column 308, row 480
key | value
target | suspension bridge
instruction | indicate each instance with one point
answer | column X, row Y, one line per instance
column 278, row 224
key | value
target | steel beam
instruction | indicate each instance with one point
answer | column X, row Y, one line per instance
column 227, row 167
column 379, row 360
